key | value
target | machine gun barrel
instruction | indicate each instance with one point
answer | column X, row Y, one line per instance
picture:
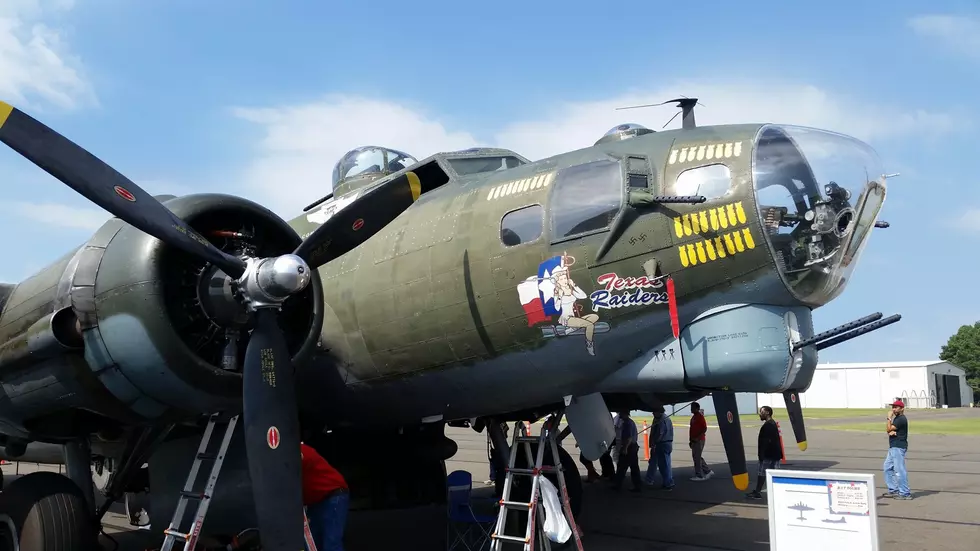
column 859, row 331
column 691, row 199
column 837, row 331
column 53, row 334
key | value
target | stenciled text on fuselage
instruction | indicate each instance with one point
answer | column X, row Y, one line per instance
column 622, row 292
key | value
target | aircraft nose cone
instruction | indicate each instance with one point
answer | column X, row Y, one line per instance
column 284, row 275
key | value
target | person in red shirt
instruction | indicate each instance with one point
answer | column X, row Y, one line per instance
column 326, row 497
column 699, row 428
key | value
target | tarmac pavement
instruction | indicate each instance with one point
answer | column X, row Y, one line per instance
column 944, row 474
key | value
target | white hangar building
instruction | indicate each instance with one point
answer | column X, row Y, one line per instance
column 925, row 384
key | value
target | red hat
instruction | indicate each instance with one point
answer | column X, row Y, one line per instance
column 898, row 403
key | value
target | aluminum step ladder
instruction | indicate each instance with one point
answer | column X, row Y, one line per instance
column 536, row 515
column 173, row 533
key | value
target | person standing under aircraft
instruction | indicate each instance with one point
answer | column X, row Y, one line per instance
column 663, row 445
column 770, row 452
column 896, row 475
column 628, row 450
column 326, row 498
column 699, row 431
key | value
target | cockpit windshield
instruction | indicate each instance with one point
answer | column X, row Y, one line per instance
column 819, row 193
column 368, row 160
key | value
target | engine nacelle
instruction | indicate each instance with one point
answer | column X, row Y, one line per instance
column 739, row 347
column 155, row 336
column 151, row 321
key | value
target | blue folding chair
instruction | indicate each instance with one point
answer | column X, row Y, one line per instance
column 465, row 528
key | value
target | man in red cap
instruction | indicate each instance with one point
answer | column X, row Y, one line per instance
column 326, row 498
column 896, row 476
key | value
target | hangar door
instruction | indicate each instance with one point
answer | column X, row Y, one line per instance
column 948, row 391
column 951, row 391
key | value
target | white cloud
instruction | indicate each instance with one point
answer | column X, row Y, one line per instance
column 57, row 214
column 36, row 66
column 968, row 221
column 301, row 143
column 958, row 33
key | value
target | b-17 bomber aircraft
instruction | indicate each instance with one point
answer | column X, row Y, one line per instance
column 471, row 288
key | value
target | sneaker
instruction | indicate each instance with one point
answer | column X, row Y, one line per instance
column 889, row 494
column 698, row 478
column 649, row 482
column 709, row 474
column 904, row 498
column 667, row 488
column 754, row 495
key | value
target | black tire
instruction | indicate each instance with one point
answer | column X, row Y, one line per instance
column 521, row 491
column 45, row 511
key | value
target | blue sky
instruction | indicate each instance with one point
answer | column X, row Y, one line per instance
column 237, row 97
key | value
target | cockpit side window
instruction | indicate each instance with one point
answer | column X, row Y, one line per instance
column 586, row 199
column 523, row 225
column 464, row 166
column 712, row 181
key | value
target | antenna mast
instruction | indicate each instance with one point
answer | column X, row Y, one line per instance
column 687, row 111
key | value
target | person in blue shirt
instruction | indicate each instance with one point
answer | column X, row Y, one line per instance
column 628, row 449
column 662, row 439
column 896, row 475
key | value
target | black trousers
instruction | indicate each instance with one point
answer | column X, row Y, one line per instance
column 605, row 463
column 629, row 460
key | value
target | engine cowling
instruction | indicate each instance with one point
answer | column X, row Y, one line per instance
column 152, row 322
column 156, row 336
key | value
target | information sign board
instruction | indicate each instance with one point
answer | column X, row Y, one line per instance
column 821, row 511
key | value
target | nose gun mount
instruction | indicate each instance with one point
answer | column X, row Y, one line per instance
column 848, row 331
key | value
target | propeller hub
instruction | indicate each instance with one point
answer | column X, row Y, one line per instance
column 267, row 282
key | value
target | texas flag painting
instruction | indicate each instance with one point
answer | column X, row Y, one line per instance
column 537, row 293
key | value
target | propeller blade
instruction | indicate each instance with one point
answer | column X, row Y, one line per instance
column 272, row 435
column 358, row 221
column 795, row 410
column 104, row 186
column 726, row 410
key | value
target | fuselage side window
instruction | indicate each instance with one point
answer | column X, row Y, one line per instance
column 523, row 225
column 586, row 199
column 712, row 181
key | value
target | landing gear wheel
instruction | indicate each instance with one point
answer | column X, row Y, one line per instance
column 521, row 490
column 45, row 511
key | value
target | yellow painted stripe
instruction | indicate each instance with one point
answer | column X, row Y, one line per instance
column 5, row 110
column 415, row 185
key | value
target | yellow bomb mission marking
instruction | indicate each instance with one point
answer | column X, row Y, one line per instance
column 705, row 152
column 520, row 186
column 728, row 244
column 714, row 219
